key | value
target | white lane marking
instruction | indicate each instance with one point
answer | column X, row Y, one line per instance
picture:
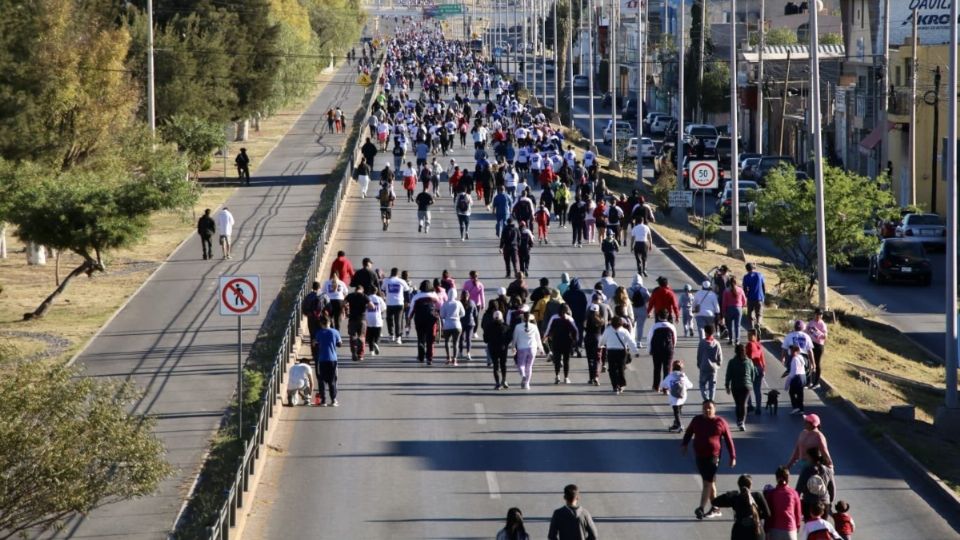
column 492, row 485
column 481, row 413
column 447, row 242
column 567, row 264
column 453, row 263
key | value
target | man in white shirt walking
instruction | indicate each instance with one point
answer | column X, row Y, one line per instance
column 225, row 223
column 642, row 240
column 300, row 383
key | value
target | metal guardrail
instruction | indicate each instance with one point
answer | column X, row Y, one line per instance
column 227, row 519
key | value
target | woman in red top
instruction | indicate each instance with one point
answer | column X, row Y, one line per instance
column 754, row 352
column 734, row 300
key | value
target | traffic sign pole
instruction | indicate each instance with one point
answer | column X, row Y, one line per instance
column 239, row 296
column 240, row 380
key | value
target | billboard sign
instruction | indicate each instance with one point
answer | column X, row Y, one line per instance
column 933, row 21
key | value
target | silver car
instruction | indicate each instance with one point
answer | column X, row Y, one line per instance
column 926, row 229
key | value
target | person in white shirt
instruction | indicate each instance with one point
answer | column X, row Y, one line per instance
column 526, row 340
column 300, row 383
column 570, row 157
column 375, row 311
column 588, row 158
column 335, row 290
column 450, row 314
column 225, row 223
column 617, row 341
column 798, row 338
column 796, row 379
column 706, row 307
column 642, row 240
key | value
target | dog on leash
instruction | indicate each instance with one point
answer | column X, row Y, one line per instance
column 773, row 400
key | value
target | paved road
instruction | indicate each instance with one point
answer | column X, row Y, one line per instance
column 418, row 452
column 170, row 339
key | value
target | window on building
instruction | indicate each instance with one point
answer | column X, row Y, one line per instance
column 726, row 17
column 896, row 78
column 907, row 65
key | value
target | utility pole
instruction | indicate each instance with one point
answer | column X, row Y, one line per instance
column 543, row 52
column 680, row 55
column 783, row 105
column 818, row 155
column 151, row 96
column 573, row 124
column 758, row 146
column 593, row 120
column 613, row 65
column 935, row 146
column 640, row 99
column 556, row 62
column 702, row 31
column 523, row 44
column 734, row 133
column 912, row 199
column 885, row 98
column 950, row 414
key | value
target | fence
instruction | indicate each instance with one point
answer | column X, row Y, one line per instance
column 227, row 518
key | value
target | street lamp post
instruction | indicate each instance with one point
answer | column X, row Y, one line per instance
column 556, row 62
column 151, row 96
column 734, row 133
column 950, row 415
column 818, row 155
column 680, row 55
column 640, row 99
column 612, row 65
column 593, row 128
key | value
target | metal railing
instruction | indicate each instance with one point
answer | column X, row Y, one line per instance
column 227, row 518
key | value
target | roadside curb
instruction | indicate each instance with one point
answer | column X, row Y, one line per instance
column 931, row 481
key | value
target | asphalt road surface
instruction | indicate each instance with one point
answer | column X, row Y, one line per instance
column 436, row 452
column 170, row 339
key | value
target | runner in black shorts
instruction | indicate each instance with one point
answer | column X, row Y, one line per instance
column 708, row 431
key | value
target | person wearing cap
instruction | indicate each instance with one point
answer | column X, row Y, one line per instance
column 810, row 437
column 663, row 298
column 755, row 289
column 706, row 307
column 509, row 247
column 639, row 296
column 798, row 338
column 817, row 330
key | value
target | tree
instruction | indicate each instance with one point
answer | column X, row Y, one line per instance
column 68, row 445
column 300, row 61
column 89, row 210
column 715, row 94
column 830, row 38
column 695, row 95
column 786, row 211
column 64, row 88
column 195, row 138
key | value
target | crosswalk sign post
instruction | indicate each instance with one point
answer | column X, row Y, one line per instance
column 239, row 296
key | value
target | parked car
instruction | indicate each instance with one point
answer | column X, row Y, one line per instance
column 649, row 118
column 581, row 82
column 647, row 149
column 606, row 100
column 926, row 229
column 724, row 149
column 748, row 167
column 900, row 260
column 624, row 130
column 747, row 193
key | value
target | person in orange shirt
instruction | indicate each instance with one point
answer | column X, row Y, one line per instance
column 542, row 217
column 754, row 352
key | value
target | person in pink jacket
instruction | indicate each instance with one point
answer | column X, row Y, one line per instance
column 734, row 300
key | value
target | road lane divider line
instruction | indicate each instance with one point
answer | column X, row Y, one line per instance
column 492, row 485
column 481, row 413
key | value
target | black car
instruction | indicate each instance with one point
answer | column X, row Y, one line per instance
column 900, row 260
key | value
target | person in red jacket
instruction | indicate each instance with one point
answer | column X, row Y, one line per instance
column 547, row 176
column 707, row 431
column 342, row 267
column 542, row 217
column 663, row 298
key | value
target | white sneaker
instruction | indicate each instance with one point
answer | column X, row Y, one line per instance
column 796, row 411
column 566, row 380
column 335, row 403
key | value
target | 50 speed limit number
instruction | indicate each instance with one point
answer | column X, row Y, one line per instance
column 704, row 174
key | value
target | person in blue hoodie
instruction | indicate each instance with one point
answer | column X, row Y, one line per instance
column 502, row 204
column 577, row 300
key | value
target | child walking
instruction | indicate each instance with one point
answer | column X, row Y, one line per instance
column 542, row 217
column 675, row 385
column 842, row 520
column 610, row 246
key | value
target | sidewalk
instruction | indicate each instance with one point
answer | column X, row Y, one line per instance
column 171, row 341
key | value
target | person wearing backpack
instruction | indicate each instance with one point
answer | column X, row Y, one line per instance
column 816, row 484
column 676, row 385
column 661, row 342
column 638, row 299
column 425, row 314
column 749, row 510
column 561, row 334
column 312, row 308
column 542, row 218
column 709, row 359
column 561, row 200
column 386, row 198
column 464, row 206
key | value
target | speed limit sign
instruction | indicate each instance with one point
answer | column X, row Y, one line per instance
column 704, row 174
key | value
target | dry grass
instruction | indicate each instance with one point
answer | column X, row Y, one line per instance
column 88, row 302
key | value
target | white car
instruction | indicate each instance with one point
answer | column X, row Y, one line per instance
column 927, row 229
column 624, row 130
column 659, row 124
column 705, row 132
column 646, row 147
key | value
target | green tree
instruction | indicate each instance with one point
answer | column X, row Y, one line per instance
column 195, row 138
column 64, row 88
column 786, row 211
column 695, row 95
column 830, row 38
column 68, row 445
column 715, row 94
column 92, row 209
column 300, row 61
